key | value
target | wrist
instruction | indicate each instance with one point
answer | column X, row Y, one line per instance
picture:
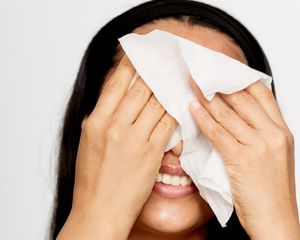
column 285, row 230
column 87, row 224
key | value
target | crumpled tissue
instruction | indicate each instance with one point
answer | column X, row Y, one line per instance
column 165, row 61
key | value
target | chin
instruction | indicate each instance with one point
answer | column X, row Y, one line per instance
column 163, row 215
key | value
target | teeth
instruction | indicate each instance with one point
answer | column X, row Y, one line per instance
column 158, row 178
column 189, row 181
column 183, row 181
column 166, row 179
column 173, row 180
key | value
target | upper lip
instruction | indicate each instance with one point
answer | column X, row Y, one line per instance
column 172, row 170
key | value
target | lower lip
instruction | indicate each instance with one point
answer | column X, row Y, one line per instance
column 170, row 191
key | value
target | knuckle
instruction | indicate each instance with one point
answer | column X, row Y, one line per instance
column 91, row 126
column 241, row 98
column 216, row 132
column 155, row 149
column 205, row 117
column 224, row 114
column 137, row 90
column 266, row 93
column 291, row 137
column 167, row 123
column 280, row 139
column 113, row 133
column 125, row 62
column 83, row 123
column 261, row 147
column 113, row 84
column 152, row 146
column 154, row 104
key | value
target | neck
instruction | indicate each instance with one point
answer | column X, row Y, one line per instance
column 138, row 233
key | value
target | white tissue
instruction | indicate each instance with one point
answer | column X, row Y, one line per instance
column 165, row 61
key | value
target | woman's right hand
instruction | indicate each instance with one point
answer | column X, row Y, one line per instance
column 121, row 147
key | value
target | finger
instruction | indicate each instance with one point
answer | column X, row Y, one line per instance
column 225, row 116
column 163, row 131
column 149, row 117
column 249, row 109
column 243, row 104
column 228, row 119
column 223, row 141
column 265, row 97
column 115, row 88
column 133, row 102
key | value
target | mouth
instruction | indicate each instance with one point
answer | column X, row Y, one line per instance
column 173, row 182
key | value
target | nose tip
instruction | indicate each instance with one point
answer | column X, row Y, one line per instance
column 176, row 150
column 172, row 156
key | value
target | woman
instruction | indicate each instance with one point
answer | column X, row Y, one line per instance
column 113, row 141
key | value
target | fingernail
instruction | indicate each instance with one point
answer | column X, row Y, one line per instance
column 195, row 104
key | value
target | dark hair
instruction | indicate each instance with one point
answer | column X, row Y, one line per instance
column 100, row 57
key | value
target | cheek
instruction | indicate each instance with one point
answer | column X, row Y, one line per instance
column 174, row 215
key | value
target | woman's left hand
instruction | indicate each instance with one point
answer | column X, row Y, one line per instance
column 257, row 146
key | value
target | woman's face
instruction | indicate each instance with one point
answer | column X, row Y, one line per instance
column 163, row 214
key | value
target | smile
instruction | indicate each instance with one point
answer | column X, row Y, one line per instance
column 172, row 182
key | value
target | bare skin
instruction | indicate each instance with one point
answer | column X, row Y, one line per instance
column 122, row 148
